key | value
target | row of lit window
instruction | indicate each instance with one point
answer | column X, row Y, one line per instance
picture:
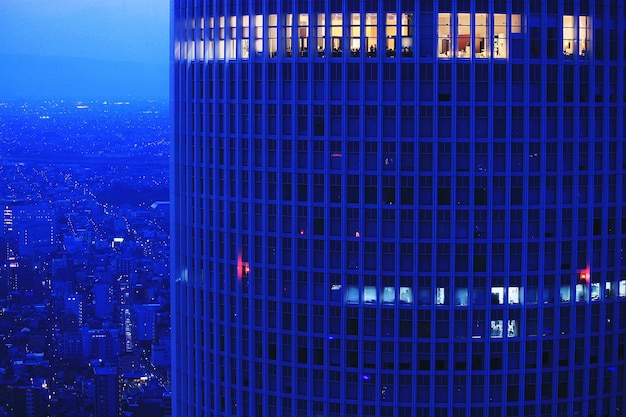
column 372, row 295
column 463, row 35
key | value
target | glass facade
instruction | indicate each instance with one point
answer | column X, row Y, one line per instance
column 398, row 208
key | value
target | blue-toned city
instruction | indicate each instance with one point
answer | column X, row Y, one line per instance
column 325, row 208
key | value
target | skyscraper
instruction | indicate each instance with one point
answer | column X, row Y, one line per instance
column 398, row 208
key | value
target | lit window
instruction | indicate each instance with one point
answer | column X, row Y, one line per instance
column 303, row 34
column 406, row 295
column 583, row 35
column 288, row 34
column 481, row 47
column 460, row 297
column 245, row 37
column 514, row 297
column 512, row 330
column 389, row 295
column 499, row 35
column 371, row 34
column 336, row 34
column 369, row 294
column 444, row 46
column 516, row 23
column 355, row 34
column 440, row 296
column 272, row 35
column 581, row 292
column 497, row 295
column 565, row 294
column 463, row 37
column 220, row 43
column 496, row 328
column 391, row 32
column 232, row 43
column 321, row 34
column 352, row 295
column 258, row 35
column 407, row 34
column 621, row 292
column 595, row 291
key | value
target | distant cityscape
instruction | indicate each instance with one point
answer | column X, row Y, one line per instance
column 84, row 265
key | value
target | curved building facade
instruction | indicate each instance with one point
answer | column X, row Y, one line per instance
column 398, row 208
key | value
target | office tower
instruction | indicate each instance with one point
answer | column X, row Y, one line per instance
column 398, row 208
column 108, row 401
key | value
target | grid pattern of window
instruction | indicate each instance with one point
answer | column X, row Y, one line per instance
column 398, row 208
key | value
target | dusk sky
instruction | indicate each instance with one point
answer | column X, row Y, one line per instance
column 83, row 47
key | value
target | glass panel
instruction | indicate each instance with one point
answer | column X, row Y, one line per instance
column 621, row 291
column 371, row 34
column 569, row 36
column 355, row 34
column 499, row 36
column 512, row 330
column 516, row 23
column 581, row 292
column 391, row 32
column 595, row 291
column 232, row 43
column 496, row 328
column 497, row 295
column 444, row 47
column 440, row 296
column 460, row 297
column 565, row 294
column 288, row 35
column 406, row 295
column 321, row 32
column 389, row 295
column 272, row 35
column 209, row 46
column 258, row 34
column 481, row 46
column 245, row 35
column 407, row 34
column 336, row 34
column 583, row 35
column 369, row 294
column 352, row 295
column 463, row 36
column 303, row 35
column 514, row 295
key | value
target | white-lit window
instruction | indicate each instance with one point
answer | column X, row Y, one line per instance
column 272, row 35
column 369, row 294
column 245, row 37
column 303, row 34
column 232, row 42
column 481, row 46
column 565, row 294
column 609, row 291
column 389, row 295
column 581, row 292
column 210, row 49
column 406, row 295
column 440, row 296
column 200, row 40
column 460, row 297
column 258, row 35
column 621, row 291
column 499, row 35
column 288, row 34
column 497, row 295
column 444, row 43
column 595, row 291
column 512, row 330
column 514, row 295
column 220, row 42
column 496, row 328
column 352, row 295
column 464, row 36
column 321, row 34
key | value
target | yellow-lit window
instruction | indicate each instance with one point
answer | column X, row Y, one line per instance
column 287, row 35
column 569, row 36
column 583, row 35
column 463, row 36
column 355, row 34
column 407, row 34
column 303, row 34
column 481, row 46
column 245, row 37
column 258, row 34
column 371, row 34
column 272, row 35
column 391, row 34
column 321, row 34
column 444, row 43
column 516, row 23
column 336, row 34
column 499, row 36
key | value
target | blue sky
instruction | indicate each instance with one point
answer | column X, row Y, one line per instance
column 130, row 31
